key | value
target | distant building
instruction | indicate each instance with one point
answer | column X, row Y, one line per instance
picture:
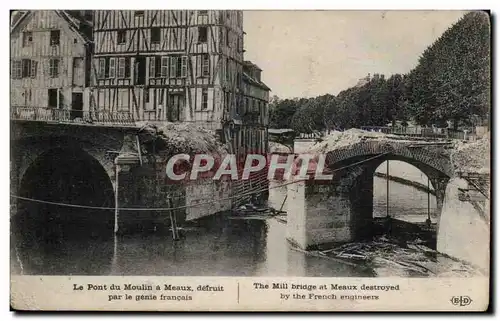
column 168, row 65
column 253, row 110
column 50, row 59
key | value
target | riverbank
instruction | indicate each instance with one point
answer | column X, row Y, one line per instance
column 407, row 182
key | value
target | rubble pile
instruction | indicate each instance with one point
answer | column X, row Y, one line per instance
column 275, row 148
column 185, row 138
column 338, row 139
column 389, row 257
column 472, row 157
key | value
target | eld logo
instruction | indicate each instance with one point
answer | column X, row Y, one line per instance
column 461, row 300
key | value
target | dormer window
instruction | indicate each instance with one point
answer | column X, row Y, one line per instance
column 27, row 38
column 55, row 37
column 155, row 35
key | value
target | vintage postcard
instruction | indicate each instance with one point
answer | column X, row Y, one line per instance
column 230, row 160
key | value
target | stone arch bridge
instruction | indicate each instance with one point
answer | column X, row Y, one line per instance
column 96, row 166
column 342, row 210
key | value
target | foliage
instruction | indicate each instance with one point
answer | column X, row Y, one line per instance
column 452, row 79
column 450, row 83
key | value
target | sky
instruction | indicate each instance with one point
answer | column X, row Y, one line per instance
column 311, row 53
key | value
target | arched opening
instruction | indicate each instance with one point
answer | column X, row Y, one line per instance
column 52, row 237
column 406, row 195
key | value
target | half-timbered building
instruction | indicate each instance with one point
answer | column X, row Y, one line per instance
column 50, row 59
column 168, row 65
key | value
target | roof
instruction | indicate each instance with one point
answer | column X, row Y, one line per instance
column 76, row 22
column 255, row 82
column 251, row 64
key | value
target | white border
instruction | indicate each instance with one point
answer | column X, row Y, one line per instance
column 189, row 4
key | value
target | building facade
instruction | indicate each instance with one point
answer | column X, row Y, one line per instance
column 168, row 65
column 50, row 59
column 253, row 110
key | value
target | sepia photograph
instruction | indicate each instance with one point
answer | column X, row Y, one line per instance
column 250, row 143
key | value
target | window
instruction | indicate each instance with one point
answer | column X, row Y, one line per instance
column 178, row 66
column 28, row 68
column 202, row 34
column 202, row 12
column 102, row 67
column 53, row 93
column 112, row 67
column 164, row 66
column 205, row 65
column 122, row 37
column 54, row 67
column 26, row 63
column 55, row 36
column 155, row 35
column 27, row 38
column 17, row 71
column 139, row 13
column 204, row 99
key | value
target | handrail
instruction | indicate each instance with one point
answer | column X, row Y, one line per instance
column 71, row 116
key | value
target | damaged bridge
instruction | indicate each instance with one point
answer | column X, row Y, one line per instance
column 341, row 210
column 106, row 177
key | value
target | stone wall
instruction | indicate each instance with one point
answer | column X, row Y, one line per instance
column 462, row 232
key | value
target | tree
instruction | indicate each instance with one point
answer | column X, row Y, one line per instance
column 452, row 79
column 310, row 116
column 281, row 112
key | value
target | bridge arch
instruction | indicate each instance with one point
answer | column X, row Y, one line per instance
column 342, row 210
column 430, row 161
column 66, row 175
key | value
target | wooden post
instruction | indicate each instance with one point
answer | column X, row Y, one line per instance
column 138, row 143
column 428, row 200
column 116, row 197
column 173, row 221
column 387, row 197
column 284, row 200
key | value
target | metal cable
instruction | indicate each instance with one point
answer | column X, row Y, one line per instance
column 184, row 206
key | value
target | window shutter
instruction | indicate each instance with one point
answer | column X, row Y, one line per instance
column 184, row 66
column 152, row 67
column 112, row 67
column 164, row 66
column 34, row 65
column 14, row 72
column 121, row 68
column 198, row 66
column 127, row 67
column 102, row 67
column 173, row 66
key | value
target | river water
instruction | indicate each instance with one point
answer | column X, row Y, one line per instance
column 215, row 247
